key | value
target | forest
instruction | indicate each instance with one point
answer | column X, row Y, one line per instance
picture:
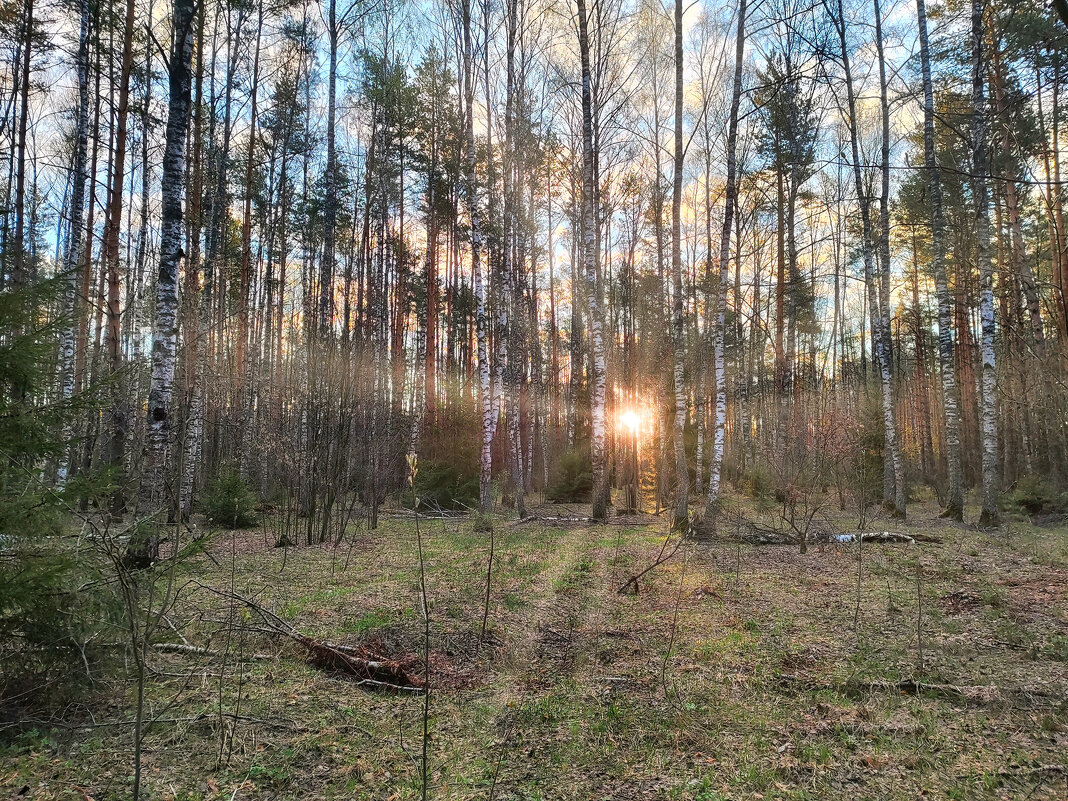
column 533, row 399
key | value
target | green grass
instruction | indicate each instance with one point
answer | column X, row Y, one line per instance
column 761, row 692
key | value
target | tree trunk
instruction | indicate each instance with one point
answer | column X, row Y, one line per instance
column 980, row 167
column 485, row 399
column 730, row 194
column 156, row 479
column 681, row 521
column 117, row 441
column 894, row 494
column 950, row 390
column 73, row 256
column 590, row 258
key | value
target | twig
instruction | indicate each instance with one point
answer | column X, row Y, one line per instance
column 661, row 558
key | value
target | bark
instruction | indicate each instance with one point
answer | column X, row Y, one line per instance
column 894, row 492
column 511, row 301
column 730, row 202
column 879, row 331
column 73, row 256
column 118, row 411
column 156, row 476
column 18, row 268
column 980, row 168
column 590, row 258
column 681, row 521
column 485, row 399
column 950, row 389
column 326, row 267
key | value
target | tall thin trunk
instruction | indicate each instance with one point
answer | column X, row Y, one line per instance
column 156, row 479
column 243, row 367
column 485, row 398
column 879, row 338
column 590, row 257
column 73, row 255
column 950, row 389
column 678, row 341
column 894, row 492
column 18, row 269
column 326, row 267
column 730, row 202
column 980, row 167
column 117, row 442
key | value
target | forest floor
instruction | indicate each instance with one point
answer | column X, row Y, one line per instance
column 736, row 671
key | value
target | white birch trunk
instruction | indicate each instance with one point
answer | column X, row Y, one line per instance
column 681, row 519
column 730, row 199
column 950, row 390
column 598, row 381
column 73, row 255
column 980, row 167
column 485, row 395
column 165, row 323
column 892, row 447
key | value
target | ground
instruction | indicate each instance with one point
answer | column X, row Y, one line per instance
column 736, row 671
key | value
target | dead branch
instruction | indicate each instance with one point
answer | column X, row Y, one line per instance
column 976, row 694
column 186, row 648
column 661, row 558
column 370, row 668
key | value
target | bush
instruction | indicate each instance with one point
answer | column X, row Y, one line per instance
column 1036, row 496
column 52, row 591
column 758, row 482
column 573, row 481
column 230, row 503
column 443, row 486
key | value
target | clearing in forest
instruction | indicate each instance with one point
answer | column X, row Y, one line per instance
column 735, row 671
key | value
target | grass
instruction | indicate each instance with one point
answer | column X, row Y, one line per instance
column 765, row 688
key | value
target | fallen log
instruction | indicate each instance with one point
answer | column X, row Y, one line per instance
column 196, row 650
column 969, row 694
column 875, row 536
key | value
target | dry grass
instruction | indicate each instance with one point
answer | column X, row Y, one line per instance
column 736, row 672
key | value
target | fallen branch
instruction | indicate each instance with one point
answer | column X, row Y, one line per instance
column 977, row 694
column 876, row 536
column 185, row 648
column 1024, row 773
column 370, row 668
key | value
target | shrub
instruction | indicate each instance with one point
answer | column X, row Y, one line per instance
column 758, row 482
column 1036, row 496
column 573, row 480
column 230, row 503
column 439, row 485
column 53, row 593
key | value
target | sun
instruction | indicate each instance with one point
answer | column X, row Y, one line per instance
column 630, row 419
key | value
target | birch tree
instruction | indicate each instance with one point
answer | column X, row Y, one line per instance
column 980, row 168
column 730, row 195
column 681, row 519
column 156, row 475
column 950, row 392
column 590, row 255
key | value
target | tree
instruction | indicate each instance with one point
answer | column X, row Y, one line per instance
column 681, row 519
column 980, row 168
column 730, row 196
column 950, row 393
column 590, row 255
column 156, row 477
